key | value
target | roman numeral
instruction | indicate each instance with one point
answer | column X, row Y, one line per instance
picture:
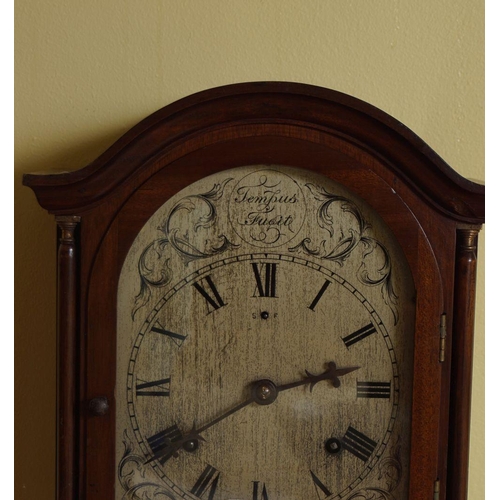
column 320, row 487
column 358, row 444
column 266, row 285
column 358, row 335
column 319, row 295
column 212, row 296
column 158, row 385
column 160, row 443
column 176, row 337
column 206, row 483
column 259, row 493
column 374, row 390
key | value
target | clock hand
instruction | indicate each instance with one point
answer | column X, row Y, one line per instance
column 171, row 447
column 224, row 415
column 263, row 392
column 332, row 373
column 266, row 391
column 190, row 440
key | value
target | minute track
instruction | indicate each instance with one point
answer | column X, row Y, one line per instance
column 204, row 433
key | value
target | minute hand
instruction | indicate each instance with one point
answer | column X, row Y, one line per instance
column 263, row 392
column 332, row 373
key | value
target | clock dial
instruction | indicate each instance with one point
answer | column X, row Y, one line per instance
column 264, row 346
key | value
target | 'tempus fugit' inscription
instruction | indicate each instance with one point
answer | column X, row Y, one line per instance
column 267, row 208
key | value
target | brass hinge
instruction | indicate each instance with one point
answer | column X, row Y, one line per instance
column 437, row 489
column 442, row 339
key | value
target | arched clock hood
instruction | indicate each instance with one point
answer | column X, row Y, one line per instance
column 286, row 110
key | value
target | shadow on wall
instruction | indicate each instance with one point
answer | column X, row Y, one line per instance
column 35, row 247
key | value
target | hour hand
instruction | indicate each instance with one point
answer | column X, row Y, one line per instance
column 166, row 444
column 164, row 451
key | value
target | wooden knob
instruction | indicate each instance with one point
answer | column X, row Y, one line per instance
column 99, row 406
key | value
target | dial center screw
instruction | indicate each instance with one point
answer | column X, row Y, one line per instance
column 191, row 445
column 264, row 392
column 333, row 446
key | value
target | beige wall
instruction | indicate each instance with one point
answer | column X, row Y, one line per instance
column 86, row 71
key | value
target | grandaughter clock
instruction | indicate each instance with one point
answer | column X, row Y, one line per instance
column 266, row 292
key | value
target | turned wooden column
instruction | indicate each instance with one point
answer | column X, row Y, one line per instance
column 461, row 365
column 67, row 366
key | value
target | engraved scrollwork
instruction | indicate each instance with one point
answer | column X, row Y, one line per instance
column 131, row 474
column 344, row 237
column 378, row 272
column 190, row 232
column 390, row 472
column 348, row 232
column 154, row 271
column 371, row 494
column 189, row 216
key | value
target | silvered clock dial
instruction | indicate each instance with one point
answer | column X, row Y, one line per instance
column 265, row 332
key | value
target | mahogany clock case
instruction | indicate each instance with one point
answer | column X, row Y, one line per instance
column 433, row 212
